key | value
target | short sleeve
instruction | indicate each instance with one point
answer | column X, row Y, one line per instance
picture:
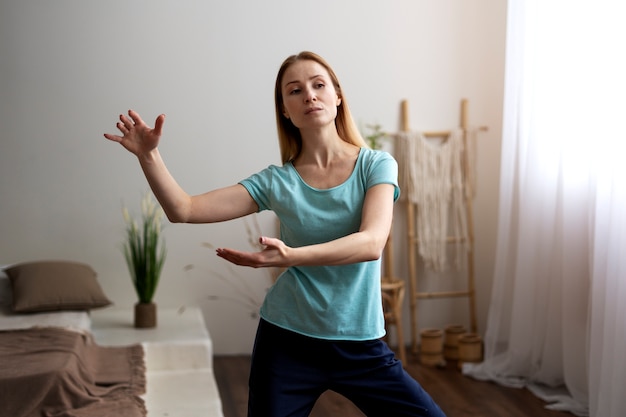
column 382, row 168
column 259, row 186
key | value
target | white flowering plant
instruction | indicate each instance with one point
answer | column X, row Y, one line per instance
column 144, row 248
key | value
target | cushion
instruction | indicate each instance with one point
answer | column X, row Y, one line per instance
column 55, row 285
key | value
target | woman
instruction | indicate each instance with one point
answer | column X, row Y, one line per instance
column 321, row 322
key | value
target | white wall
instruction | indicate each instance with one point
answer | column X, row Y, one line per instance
column 69, row 68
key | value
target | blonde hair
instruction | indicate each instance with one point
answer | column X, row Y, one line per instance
column 289, row 137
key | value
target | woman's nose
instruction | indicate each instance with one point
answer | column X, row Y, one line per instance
column 310, row 96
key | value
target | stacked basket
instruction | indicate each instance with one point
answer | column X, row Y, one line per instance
column 459, row 345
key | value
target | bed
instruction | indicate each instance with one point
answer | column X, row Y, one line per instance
column 50, row 362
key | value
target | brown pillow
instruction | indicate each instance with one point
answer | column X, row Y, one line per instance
column 55, row 285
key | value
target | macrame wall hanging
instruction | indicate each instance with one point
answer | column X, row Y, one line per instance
column 431, row 175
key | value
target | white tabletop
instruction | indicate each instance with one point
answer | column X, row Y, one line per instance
column 114, row 327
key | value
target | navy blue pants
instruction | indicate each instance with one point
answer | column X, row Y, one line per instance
column 290, row 371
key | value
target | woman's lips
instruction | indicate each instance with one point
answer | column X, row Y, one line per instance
column 312, row 109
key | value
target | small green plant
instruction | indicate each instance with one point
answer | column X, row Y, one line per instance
column 144, row 248
column 375, row 137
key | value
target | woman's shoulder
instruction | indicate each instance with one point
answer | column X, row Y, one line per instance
column 273, row 169
column 369, row 156
column 273, row 174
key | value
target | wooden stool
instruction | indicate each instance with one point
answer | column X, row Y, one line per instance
column 393, row 296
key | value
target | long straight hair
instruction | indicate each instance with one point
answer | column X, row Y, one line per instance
column 289, row 137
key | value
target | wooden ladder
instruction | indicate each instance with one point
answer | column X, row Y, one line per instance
column 411, row 212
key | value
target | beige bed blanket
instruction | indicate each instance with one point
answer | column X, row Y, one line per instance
column 54, row 372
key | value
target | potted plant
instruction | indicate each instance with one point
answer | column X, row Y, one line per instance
column 144, row 251
column 375, row 137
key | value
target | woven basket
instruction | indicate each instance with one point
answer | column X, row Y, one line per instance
column 470, row 348
column 431, row 348
column 451, row 342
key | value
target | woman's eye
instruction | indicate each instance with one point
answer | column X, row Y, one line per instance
column 320, row 85
column 294, row 91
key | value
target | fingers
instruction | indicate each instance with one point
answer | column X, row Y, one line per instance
column 158, row 124
column 114, row 138
column 124, row 126
column 272, row 255
column 135, row 117
column 127, row 123
column 238, row 258
column 132, row 121
column 251, row 259
column 268, row 241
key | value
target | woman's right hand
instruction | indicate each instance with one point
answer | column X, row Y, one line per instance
column 137, row 136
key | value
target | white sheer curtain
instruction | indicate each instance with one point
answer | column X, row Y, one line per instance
column 557, row 319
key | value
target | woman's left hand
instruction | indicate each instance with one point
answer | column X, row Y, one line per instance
column 274, row 254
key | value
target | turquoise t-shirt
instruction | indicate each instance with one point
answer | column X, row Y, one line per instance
column 329, row 302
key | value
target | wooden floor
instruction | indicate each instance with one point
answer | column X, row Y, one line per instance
column 457, row 395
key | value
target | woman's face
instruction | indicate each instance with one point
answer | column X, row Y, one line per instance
column 309, row 96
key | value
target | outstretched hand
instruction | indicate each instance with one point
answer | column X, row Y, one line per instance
column 274, row 254
column 137, row 136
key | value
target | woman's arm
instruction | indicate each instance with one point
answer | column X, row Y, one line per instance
column 213, row 206
column 365, row 245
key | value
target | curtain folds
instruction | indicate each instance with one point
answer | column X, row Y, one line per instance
column 557, row 318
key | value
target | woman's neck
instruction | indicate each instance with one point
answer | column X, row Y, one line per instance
column 322, row 147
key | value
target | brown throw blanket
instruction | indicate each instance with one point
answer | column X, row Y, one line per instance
column 52, row 372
